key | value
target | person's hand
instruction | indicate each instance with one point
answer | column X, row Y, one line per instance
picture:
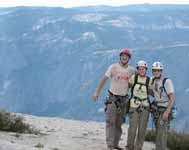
column 95, row 96
column 166, row 115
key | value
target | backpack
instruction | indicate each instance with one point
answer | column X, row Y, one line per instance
column 133, row 86
column 136, row 82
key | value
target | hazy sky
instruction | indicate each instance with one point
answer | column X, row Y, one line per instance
column 73, row 3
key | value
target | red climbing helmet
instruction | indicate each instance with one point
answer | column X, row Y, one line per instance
column 125, row 51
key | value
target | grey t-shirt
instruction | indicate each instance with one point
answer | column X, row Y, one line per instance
column 159, row 93
column 119, row 78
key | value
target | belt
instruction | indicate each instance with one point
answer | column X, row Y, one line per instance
column 116, row 95
column 140, row 99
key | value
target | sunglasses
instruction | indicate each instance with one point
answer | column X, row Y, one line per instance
column 156, row 70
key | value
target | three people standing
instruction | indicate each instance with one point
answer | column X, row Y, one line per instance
column 123, row 76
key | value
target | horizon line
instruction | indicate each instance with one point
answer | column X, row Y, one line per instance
column 104, row 5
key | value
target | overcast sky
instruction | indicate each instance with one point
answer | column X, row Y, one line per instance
column 74, row 3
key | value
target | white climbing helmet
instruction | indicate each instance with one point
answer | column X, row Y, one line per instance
column 142, row 63
column 157, row 65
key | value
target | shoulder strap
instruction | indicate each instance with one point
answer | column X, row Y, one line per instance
column 136, row 79
column 153, row 79
column 163, row 85
column 147, row 84
column 135, row 82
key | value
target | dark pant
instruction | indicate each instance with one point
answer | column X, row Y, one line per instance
column 115, row 115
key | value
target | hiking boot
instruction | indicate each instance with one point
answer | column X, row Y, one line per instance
column 114, row 148
column 126, row 148
column 110, row 148
column 118, row 148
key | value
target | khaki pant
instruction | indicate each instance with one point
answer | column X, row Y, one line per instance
column 161, row 131
column 114, row 119
column 137, row 128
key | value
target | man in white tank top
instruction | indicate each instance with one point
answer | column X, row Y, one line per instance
column 117, row 100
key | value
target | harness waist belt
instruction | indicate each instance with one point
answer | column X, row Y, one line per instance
column 116, row 95
column 137, row 98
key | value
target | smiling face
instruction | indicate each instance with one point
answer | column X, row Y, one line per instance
column 124, row 59
column 141, row 71
column 156, row 73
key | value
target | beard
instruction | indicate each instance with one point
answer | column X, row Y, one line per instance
column 124, row 63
